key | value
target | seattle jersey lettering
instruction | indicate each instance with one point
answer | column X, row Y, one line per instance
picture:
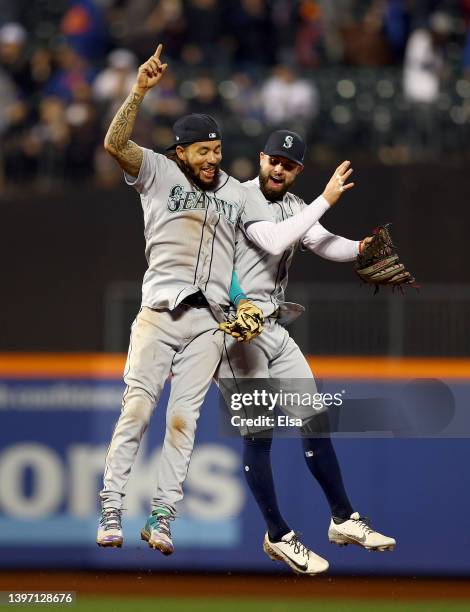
column 179, row 199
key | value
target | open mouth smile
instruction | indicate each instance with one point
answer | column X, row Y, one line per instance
column 208, row 173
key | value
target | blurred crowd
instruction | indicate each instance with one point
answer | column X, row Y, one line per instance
column 387, row 78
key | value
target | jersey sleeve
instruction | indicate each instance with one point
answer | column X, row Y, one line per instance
column 152, row 166
column 255, row 207
column 276, row 237
column 329, row 246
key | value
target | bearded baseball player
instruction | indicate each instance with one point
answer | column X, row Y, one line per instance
column 192, row 210
column 275, row 355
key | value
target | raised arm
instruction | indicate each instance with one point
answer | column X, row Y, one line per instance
column 126, row 152
column 277, row 237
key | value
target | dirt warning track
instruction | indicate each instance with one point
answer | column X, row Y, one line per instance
column 153, row 584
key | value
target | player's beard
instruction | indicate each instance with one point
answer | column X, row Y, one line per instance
column 195, row 178
column 273, row 194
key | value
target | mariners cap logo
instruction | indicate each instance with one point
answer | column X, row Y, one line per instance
column 288, row 142
column 212, row 135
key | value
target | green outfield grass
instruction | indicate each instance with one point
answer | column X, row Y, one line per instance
column 132, row 604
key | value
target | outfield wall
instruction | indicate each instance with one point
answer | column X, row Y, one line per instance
column 79, row 241
column 57, row 415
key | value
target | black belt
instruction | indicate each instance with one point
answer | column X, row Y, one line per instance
column 196, row 300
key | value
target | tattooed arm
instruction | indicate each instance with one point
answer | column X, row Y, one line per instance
column 117, row 143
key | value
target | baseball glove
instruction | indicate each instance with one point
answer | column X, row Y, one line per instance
column 378, row 262
column 247, row 324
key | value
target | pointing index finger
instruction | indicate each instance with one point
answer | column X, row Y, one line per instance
column 158, row 51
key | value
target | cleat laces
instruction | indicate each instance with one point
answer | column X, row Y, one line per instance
column 299, row 548
column 110, row 519
column 163, row 524
column 364, row 523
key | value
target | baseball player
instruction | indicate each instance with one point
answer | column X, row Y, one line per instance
column 191, row 212
column 275, row 355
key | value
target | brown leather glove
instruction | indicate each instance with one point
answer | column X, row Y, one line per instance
column 378, row 262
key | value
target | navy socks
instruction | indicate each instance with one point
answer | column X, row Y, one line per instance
column 323, row 463
column 259, row 476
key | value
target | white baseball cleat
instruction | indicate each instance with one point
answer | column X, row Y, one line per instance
column 109, row 528
column 356, row 530
column 157, row 531
column 297, row 556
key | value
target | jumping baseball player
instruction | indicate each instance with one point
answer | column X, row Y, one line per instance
column 191, row 213
column 275, row 355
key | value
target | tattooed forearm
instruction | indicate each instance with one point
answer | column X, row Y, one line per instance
column 117, row 143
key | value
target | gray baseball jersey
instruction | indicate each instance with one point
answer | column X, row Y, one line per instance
column 264, row 276
column 273, row 354
column 189, row 233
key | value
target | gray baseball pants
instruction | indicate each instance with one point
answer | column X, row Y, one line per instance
column 187, row 343
column 272, row 354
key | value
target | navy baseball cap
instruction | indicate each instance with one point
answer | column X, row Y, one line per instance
column 196, row 127
column 286, row 144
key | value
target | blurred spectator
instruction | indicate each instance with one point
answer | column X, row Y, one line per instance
column 249, row 25
column 206, row 98
column 84, row 133
column 243, row 97
column 286, row 97
column 116, row 80
column 41, row 67
column 165, row 101
column 284, row 17
column 13, row 122
column 364, row 40
column 308, row 36
column 13, row 56
column 396, row 26
column 424, row 63
column 424, row 60
column 8, row 99
column 45, row 144
column 84, row 28
column 204, row 32
column 73, row 72
column 141, row 24
column 334, row 15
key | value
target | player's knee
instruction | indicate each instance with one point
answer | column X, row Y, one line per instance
column 138, row 406
column 181, row 429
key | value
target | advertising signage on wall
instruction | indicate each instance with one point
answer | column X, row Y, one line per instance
column 53, row 439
